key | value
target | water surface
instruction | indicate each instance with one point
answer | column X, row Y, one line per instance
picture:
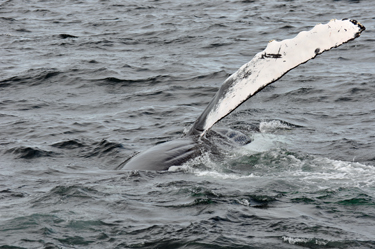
column 85, row 84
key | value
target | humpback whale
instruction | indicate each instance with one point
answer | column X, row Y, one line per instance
column 278, row 58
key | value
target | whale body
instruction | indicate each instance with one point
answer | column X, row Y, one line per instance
column 266, row 67
column 179, row 151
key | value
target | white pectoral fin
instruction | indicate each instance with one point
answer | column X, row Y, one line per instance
column 268, row 66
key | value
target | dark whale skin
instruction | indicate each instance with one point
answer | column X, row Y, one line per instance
column 165, row 155
column 176, row 152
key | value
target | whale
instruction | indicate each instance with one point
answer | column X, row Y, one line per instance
column 265, row 68
column 177, row 152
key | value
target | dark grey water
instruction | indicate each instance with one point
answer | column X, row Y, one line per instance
column 85, row 84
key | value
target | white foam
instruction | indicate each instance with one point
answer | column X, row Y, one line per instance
column 189, row 166
column 262, row 142
column 309, row 171
column 353, row 174
column 294, row 240
column 221, row 175
column 272, row 126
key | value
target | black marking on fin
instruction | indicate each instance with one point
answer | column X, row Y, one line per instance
column 360, row 26
column 275, row 56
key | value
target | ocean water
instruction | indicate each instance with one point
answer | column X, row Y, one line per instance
column 86, row 84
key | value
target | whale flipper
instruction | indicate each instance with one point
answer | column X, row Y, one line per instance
column 268, row 66
column 265, row 68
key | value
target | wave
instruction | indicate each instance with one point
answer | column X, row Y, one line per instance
column 88, row 149
column 32, row 77
column 30, row 152
column 126, row 82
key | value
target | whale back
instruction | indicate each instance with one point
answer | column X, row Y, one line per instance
column 164, row 155
column 268, row 66
column 179, row 151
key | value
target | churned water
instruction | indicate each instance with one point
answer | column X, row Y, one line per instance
column 85, row 84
